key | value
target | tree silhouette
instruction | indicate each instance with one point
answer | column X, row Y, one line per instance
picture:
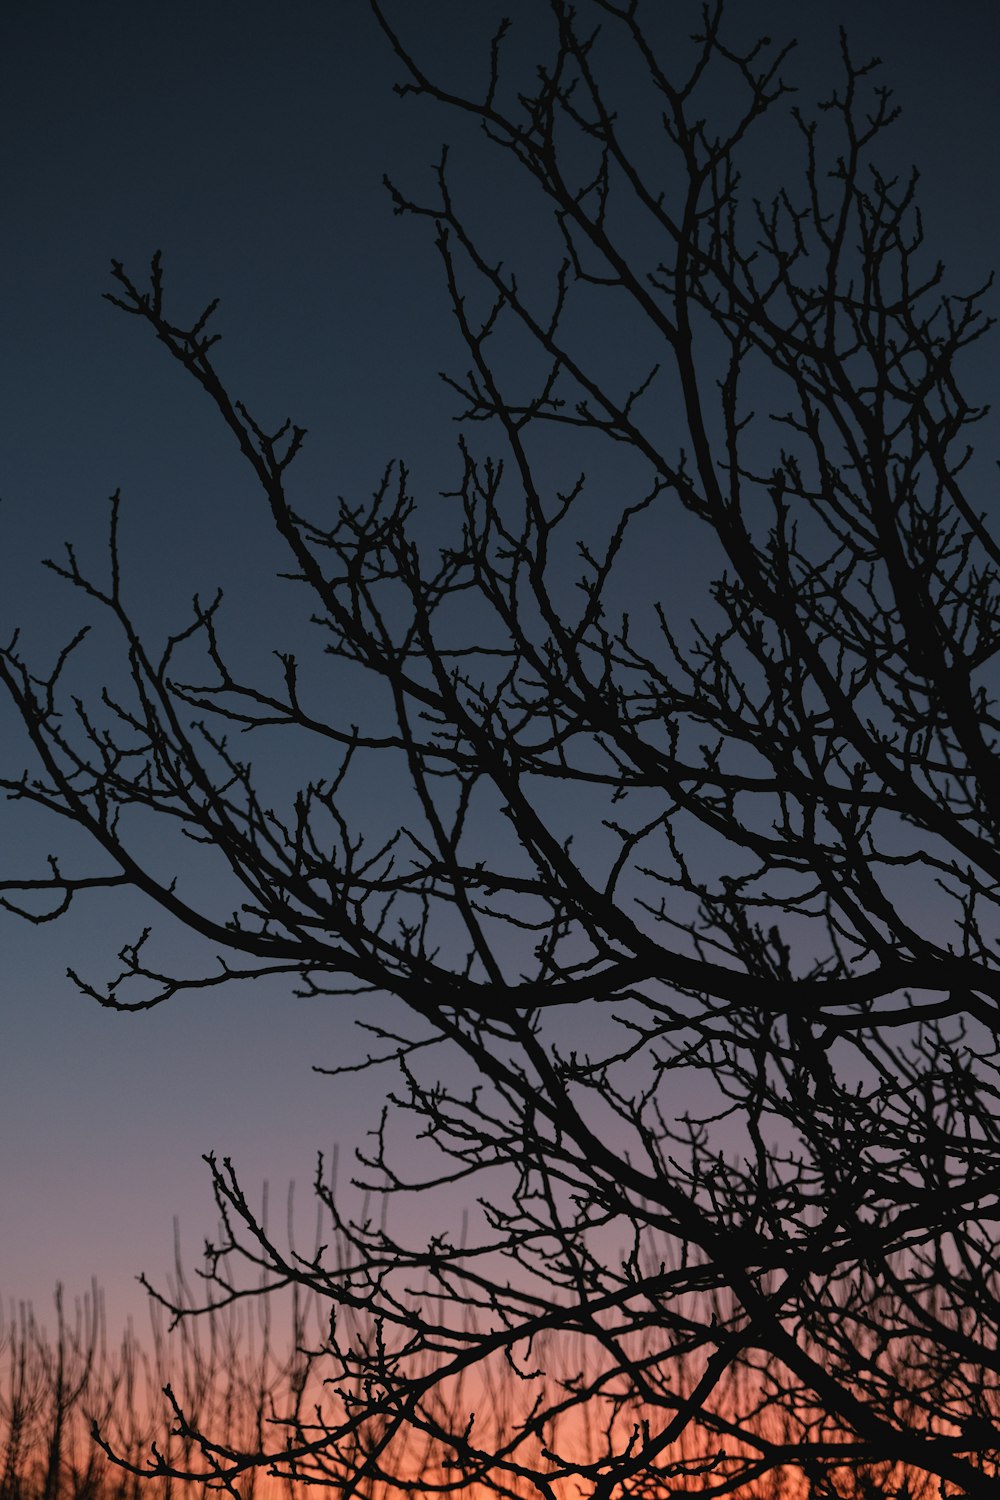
column 692, row 920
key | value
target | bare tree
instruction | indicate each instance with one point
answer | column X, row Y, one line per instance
column 692, row 921
column 227, row 1370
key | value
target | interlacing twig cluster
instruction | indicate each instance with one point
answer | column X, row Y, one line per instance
column 686, row 939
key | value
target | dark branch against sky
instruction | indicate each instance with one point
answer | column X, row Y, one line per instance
column 249, row 146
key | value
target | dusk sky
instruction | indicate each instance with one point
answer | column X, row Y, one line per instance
column 247, row 142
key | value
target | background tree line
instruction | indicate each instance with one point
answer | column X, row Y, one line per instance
column 239, row 1374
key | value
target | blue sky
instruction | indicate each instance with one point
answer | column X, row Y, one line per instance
column 248, row 143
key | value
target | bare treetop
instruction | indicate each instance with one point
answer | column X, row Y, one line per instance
column 686, row 686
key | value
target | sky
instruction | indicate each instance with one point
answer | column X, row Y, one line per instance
column 247, row 142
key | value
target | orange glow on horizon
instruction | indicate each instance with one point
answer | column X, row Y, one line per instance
column 236, row 1388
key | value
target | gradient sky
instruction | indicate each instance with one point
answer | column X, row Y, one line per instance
column 247, row 141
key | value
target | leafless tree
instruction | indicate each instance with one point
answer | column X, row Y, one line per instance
column 687, row 936
column 228, row 1370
